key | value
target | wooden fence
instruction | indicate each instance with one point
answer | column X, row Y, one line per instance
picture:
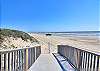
column 18, row 59
column 81, row 60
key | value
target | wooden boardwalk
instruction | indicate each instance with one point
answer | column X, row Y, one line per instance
column 45, row 62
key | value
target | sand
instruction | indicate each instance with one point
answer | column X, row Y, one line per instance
column 85, row 43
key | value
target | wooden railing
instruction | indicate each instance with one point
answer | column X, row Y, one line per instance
column 18, row 59
column 81, row 60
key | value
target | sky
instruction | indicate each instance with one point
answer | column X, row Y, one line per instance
column 50, row 15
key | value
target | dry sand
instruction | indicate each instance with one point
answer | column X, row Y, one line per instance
column 85, row 43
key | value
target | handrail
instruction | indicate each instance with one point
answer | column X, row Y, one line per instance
column 81, row 60
column 11, row 50
column 18, row 59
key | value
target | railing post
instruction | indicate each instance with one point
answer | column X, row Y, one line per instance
column 0, row 62
column 80, row 60
column 26, row 60
column 31, row 56
column 35, row 53
column 91, row 62
column 88, row 62
column 8, row 61
column 22, row 60
column 17, row 62
column 5, row 67
column 99, row 63
column 18, row 59
column 94, row 63
column 28, row 57
column 12, row 62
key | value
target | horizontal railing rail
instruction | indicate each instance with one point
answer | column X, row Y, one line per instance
column 81, row 60
column 18, row 59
